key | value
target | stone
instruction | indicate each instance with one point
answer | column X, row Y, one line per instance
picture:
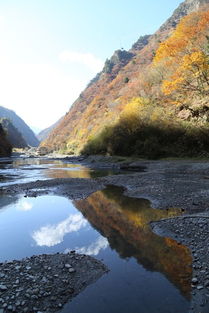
column 28, row 268
column 194, row 280
column 17, row 267
column 32, row 287
column 72, row 270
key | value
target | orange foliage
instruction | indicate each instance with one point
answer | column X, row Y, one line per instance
column 184, row 54
column 192, row 75
column 191, row 28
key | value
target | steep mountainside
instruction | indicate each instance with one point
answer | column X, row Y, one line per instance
column 121, row 79
column 45, row 132
column 5, row 146
column 22, row 127
column 13, row 135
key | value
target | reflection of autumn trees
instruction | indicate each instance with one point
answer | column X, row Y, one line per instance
column 70, row 171
column 125, row 221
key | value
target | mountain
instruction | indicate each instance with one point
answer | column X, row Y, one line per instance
column 125, row 76
column 42, row 135
column 22, row 127
column 5, row 146
column 12, row 134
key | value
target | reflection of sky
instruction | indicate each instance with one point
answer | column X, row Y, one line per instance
column 51, row 235
column 93, row 249
column 24, row 205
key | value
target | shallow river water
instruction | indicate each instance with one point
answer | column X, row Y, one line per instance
column 148, row 273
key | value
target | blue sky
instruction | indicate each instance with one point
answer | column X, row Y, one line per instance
column 50, row 49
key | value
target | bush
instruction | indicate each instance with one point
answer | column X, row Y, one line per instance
column 147, row 133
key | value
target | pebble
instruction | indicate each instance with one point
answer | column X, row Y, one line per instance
column 72, row 270
column 194, row 280
column 197, row 241
column 43, row 286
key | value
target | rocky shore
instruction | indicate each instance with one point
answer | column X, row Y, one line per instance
column 192, row 231
column 44, row 283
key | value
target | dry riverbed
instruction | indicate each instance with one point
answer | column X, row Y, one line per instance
column 167, row 184
column 44, row 283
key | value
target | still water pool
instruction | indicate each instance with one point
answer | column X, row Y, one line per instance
column 24, row 170
column 148, row 273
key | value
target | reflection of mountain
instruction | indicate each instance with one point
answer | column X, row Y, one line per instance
column 68, row 172
column 75, row 171
column 124, row 222
column 6, row 200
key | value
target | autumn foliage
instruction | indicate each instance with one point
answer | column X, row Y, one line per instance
column 156, row 105
column 185, row 54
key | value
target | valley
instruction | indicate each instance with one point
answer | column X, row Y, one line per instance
column 106, row 210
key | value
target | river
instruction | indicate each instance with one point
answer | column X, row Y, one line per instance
column 148, row 273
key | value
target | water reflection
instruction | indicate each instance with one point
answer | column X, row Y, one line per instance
column 52, row 235
column 21, row 170
column 94, row 249
column 125, row 221
column 6, row 200
column 51, row 224
column 24, row 205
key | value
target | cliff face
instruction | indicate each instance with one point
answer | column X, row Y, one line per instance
column 104, row 98
column 184, row 8
column 5, row 146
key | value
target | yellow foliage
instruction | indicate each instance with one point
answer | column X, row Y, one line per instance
column 135, row 106
column 191, row 28
column 184, row 56
column 191, row 75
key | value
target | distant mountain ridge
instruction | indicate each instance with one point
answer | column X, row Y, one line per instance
column 14, row 137
column 45, row 132
column 101, row 103
column 22, row 127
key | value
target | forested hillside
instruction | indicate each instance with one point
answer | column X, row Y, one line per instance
column 45, row 132
column 151, row 101
column 5, row 146
column 22, row 127
column 12, row 134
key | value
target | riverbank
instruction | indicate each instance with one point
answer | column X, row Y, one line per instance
column 44, row 283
